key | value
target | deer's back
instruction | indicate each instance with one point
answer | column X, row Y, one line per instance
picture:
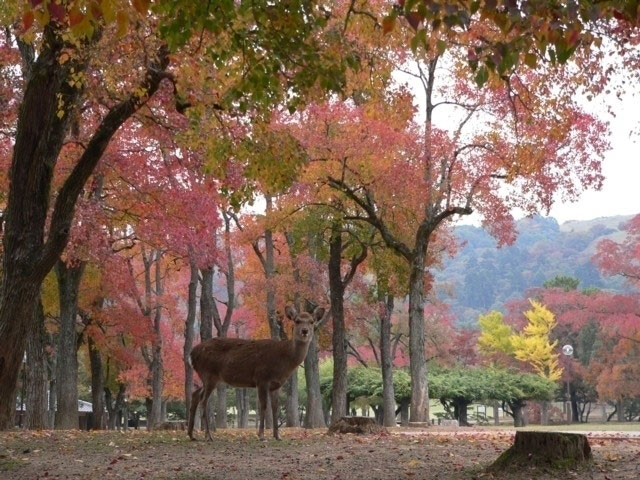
column 241, row 363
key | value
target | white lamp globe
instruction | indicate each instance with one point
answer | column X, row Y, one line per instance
column 567, row 350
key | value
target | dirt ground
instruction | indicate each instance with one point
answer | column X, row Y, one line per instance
column 239, row 455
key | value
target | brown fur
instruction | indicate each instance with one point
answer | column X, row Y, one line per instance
column 265, row 364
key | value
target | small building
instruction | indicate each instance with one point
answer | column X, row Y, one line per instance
column 85, row 415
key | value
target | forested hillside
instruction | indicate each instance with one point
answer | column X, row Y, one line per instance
column 482, row 277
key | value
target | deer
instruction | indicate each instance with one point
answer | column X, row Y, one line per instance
column 262, row 364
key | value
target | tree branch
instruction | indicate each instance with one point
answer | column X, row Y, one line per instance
column 373, row 349
column 353, row 266
column 353, row 352
column 67, row 197
column 372, row 218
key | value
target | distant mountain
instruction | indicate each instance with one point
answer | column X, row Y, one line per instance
column 483, row 277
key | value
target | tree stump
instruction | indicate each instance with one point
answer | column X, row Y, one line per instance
column 555, row 449
column 358, row 425
column 170, row 425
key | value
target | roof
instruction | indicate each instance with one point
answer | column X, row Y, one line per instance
column 84, row 407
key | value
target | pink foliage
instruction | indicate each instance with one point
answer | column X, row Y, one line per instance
column 622, row 258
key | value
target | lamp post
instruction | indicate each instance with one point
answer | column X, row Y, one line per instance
column 567, row 350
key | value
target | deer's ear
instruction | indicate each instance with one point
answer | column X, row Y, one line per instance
column 318, row 313
column 291, row 312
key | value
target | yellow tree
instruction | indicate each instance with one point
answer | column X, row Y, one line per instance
column 496, row 335
column 531, row 345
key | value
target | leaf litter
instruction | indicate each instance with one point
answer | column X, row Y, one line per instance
column 302, row 455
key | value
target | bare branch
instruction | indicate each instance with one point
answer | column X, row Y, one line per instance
column 372, row 218
column 354, row 352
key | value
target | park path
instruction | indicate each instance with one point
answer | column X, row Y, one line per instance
column 510, row 433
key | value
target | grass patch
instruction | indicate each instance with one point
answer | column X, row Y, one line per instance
column 586, row 427
column 576, row 427
column 8, row 464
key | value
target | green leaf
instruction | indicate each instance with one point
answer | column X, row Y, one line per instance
column 441, row 46
column 530, row 60
column 418, row 39
column 482, row 75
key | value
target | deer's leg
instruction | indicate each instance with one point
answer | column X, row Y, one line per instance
column 207, row 388
column 262, row 400
column 275, row 398
column 195, row 399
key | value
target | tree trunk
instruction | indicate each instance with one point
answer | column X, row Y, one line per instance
column 221, row 405
column 222, row 326
column 206, row 304
column 39, row 136
column 417, row 364
column 518, row 414
column 40, row 133
column 52, row 368
column 97, row 382
column 404, row 414
column 620, row 410
column 339, row 341
column 314, row 414
column 206, row 320
column 163, row 411
column 575, row 411
column 292, row 404
column 189, row 332
column 377, row 412
column 388, row 395
column 242, row 404
column 36, row 374
column 270, row 271
column 496, row 412
column 125, row 416
column 114, row 407
column 560, row 450
column 461, row 412
column 157, row 369
column 544, row 413
column 67, row 375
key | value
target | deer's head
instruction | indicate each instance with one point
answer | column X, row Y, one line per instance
column 304, row 323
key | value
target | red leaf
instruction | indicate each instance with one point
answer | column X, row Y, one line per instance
column 414, row 20
column 141, row 6
column 388, row 23
column 75, row 17
column 96, row 11
column 27, row 20
column 57, row 12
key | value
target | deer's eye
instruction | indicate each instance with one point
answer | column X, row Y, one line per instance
column 297, row 322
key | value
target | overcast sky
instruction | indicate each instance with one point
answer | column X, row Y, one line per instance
column 620, row 194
